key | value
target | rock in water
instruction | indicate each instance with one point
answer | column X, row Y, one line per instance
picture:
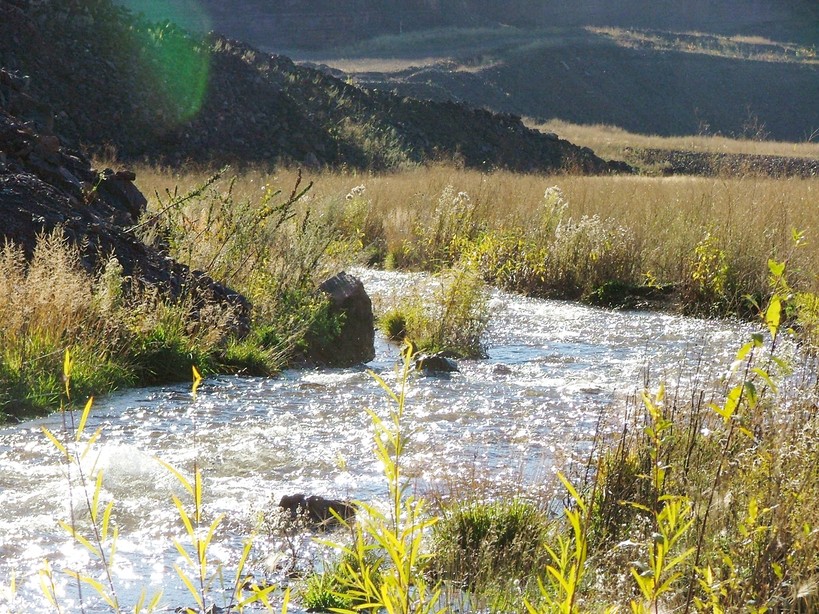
column 432, row 364
column 317, row 509
column 355, row 342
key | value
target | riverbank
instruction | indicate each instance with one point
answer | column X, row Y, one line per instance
column 693, row 245
column 562, row 389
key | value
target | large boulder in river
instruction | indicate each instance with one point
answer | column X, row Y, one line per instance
column 355, row 341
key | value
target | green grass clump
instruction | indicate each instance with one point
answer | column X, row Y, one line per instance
column 324, row 593
column 394, row 325
column 451, row 317
column 483, row 544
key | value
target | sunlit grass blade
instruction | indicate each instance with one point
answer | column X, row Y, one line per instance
column 82, row 540
column 84, row 418
column 184, row 553
column 181, row 478
column 189, row 585
column 57, row 443
column 197, row 495
column 96, row 585
column 106, row 519
column 47, row 585
column 387, row 388
column 90, row 443
column 183, row 515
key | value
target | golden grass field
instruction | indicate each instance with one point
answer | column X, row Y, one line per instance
column 753, row 218
column 610, row 141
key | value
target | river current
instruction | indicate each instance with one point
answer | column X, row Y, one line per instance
column 554, row 369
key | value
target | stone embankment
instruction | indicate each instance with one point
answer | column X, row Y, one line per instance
column 674, row 162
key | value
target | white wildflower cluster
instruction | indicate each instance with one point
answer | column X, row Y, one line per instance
column 356, row 192
column 554, row 206
column 461, row 199
column 554, row 201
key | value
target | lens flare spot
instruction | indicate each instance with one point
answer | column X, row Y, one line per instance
column 174, row 56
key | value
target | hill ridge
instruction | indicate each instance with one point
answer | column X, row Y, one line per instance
column 107, row 79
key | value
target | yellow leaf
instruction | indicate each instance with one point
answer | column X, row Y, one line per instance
column 54, row 440
column 773, row 315
column 84, row 418
column 197, row 379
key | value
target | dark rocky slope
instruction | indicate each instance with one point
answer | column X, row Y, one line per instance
column 47, row 186
column 303, row 24
column 154, row 92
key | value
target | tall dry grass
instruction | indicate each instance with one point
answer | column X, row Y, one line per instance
column 411, row 218
column 611, row 142
column 122, row 334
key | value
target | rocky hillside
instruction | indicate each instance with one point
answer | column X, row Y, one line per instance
column 104, row 79
column 312, row 24
column 666, row 67
column 47, row 186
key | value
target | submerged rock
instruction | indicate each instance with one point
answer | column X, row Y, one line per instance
column 317, row 509
column 432, row 364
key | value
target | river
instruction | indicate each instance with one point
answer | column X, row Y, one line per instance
column 553, row 369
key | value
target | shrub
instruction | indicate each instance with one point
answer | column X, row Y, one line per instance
column 451, row 317
column 508, row 260
column 589, row 252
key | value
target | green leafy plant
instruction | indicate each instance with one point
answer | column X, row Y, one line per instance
column 385, row 564
column 101, row 539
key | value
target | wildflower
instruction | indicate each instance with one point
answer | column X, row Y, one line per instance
column 356, row 192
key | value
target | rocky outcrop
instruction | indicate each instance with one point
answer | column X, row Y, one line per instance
column 354, row 342
column 113, row 80
column 45, row 186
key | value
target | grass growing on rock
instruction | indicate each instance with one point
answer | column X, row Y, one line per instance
column 122, row 338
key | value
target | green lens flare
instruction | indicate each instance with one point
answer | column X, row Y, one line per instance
column 175, row 60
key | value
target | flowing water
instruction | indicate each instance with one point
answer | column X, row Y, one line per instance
column 554, row 368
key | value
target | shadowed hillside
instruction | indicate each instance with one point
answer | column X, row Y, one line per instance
column 317, row 24
column 104, row 79
column 643, row 81
column 736, row 67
